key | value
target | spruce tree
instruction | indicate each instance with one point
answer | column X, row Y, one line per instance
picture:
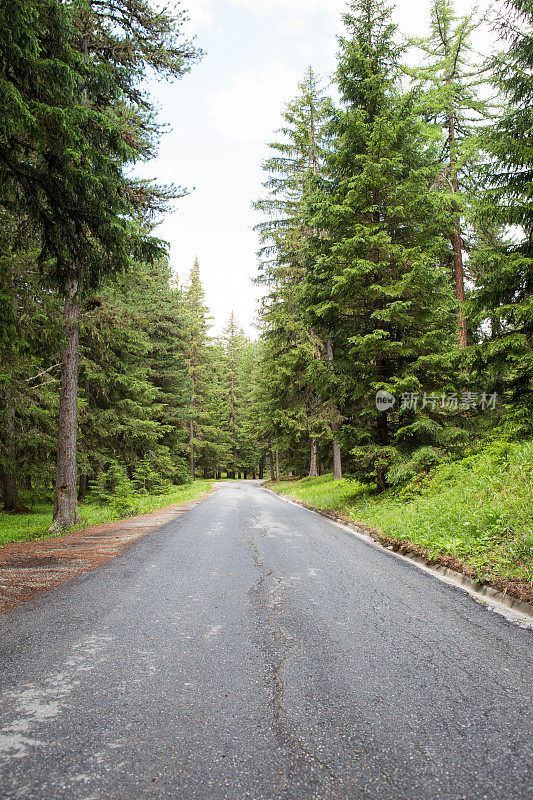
column 77, row 118
column 374, row 284
column 198, row 360
column 30, row 343
column 234, row 343
column 291, row 345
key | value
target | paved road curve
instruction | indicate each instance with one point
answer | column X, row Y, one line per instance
column 251, row 649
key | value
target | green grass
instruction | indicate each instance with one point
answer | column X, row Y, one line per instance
column 478, row 510
column 21, row 527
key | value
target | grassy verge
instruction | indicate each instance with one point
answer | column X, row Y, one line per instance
column 475, row 514
column 21, row 527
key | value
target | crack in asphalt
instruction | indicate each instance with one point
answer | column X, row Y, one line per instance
column 268, row 603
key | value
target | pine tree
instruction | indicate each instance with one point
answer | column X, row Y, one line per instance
column 234, row 343
column 511, row 142
column 213, row 447
column 77, row 118
column 135, row 388
column 250, row 455
column 198, row 359
column 30, row 340
column 374, row 283
column 152, row 40
column 291, row 345
column 166, row 327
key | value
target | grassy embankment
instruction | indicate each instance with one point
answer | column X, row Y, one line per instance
column 477, row 512
column 20, row 527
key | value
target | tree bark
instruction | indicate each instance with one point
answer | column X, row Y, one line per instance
column 65, row 502
column 271, row 464
column 458, row 272
column 82, row 488
column 456, row 240
column 277, row 465
column 337, row 462
column 9, row 479
column 9, row 492
column 313, row 471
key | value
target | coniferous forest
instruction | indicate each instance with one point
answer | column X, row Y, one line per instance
column 396, row 261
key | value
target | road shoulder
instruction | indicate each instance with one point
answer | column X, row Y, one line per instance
column 30, row 568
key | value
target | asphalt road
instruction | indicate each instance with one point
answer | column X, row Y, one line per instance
column 251, row 649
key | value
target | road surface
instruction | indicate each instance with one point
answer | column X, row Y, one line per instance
column 252, row 649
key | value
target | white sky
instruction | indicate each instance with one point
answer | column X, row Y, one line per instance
column 222, row 114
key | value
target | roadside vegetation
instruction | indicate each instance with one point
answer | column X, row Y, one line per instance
column 478, row 511
column 96, row 509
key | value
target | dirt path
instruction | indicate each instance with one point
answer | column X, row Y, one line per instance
column 29, row 568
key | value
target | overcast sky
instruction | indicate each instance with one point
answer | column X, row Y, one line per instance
column 222, row 114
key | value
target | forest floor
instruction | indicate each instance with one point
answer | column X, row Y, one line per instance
column 473, row 515
column 28, row 568
column 35, row 525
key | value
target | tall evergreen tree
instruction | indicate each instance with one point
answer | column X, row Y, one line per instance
column 291, row 345
column 234, row 342
column 70, row 77
column 199, row 357
column 30, row 339
column 374, row 285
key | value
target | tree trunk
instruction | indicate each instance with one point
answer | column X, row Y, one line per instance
column 9, row 492
column 65, row 502
column 9, row 480
column 191, row 446
column 456, row 239
column 271, row 464
column 261, row 468
column 277, row 465
column 458, row 272
column 383, row 439
column 337, row 462
column 82, row 488
column 313, row 471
